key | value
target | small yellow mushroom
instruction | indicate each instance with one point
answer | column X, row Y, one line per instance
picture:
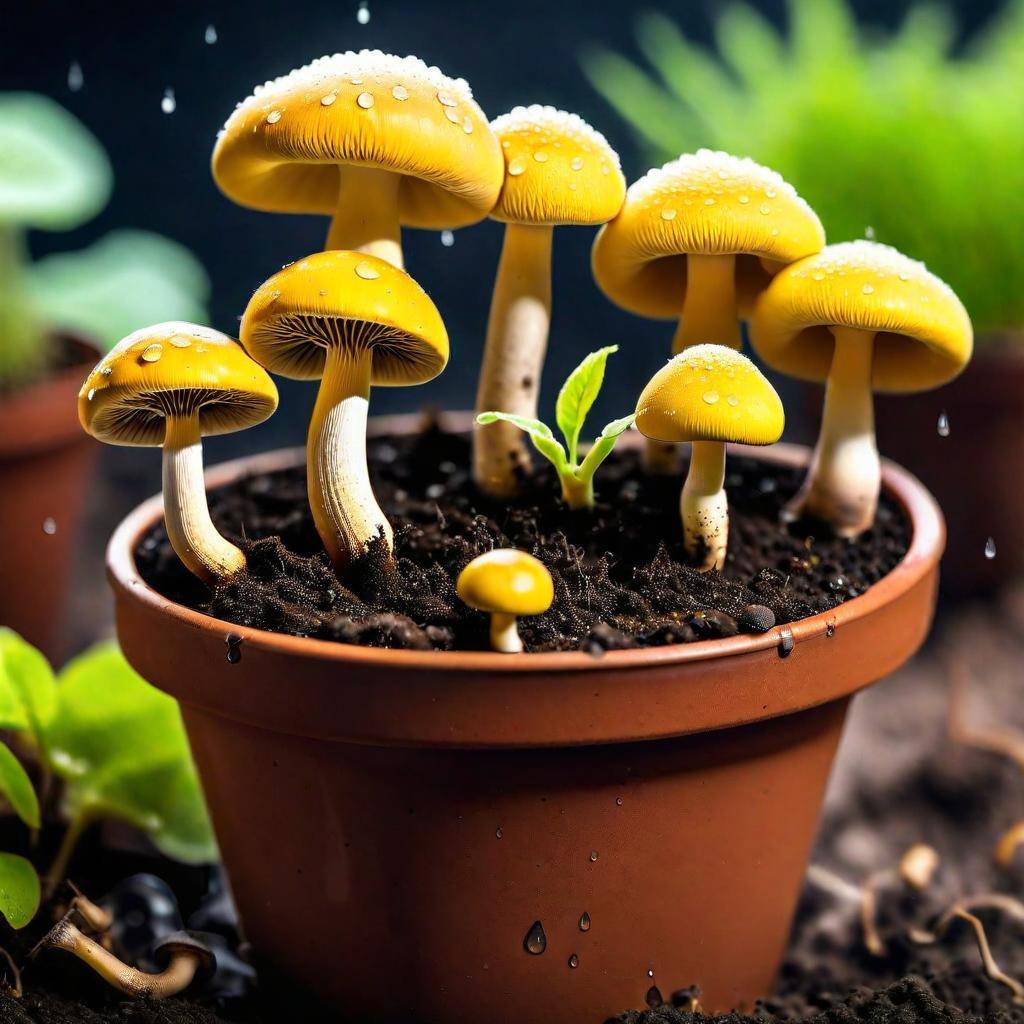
column 708, row 395
column 506, row 583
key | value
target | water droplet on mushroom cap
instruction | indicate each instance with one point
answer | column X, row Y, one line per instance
column 152, row 353
column 365, row 100
column 180, row 341
column 273, row 117
column 326, row 101
column 536, row 941
column 711, row 397
column 367, row 271
column 400, row 92
column 516, row 166
column 668, row 213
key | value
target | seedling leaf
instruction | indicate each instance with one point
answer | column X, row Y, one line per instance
column 577, row 396
column 539, row 433
column 27, row 688
column 17, row 787
column 602, row 447
column 19, row 890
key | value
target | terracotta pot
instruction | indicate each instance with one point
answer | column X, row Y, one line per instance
column 45, row 460
column 394, row 823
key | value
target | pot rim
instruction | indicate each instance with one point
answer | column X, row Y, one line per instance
column 920, row 508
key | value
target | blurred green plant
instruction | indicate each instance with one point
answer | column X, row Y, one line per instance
column 54, row 176
column 117, row 743
column 903, row 136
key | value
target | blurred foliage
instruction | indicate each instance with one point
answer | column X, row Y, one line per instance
column 904, row 136
column 55, row 176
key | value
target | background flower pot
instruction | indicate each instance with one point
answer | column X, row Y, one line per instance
column 45, row 460
column 394, row 823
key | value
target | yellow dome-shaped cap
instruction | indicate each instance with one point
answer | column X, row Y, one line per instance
column 346, row 299
column 508, row 582
column 281, row 148
column 558, row 170
column 173, row 369
column 704, row 203
column 923, row 336
column 710, row 393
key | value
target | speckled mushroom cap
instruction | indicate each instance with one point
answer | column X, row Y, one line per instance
column 923, row 333
column 710, row 393
column 506, row 581
column 705, row 203
column 281, row 148
column 347, row 299
column 169, row 369
column 558, row 169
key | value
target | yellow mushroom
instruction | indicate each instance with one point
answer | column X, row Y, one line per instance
column 709, row 394
column 558, row 171
column 506, row 583
column 170, row 385
column 349, row 320
column 864, row 318
column 698, row 239
column 375, row 140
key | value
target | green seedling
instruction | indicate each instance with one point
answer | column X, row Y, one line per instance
column 575, row 400
column 19, row 883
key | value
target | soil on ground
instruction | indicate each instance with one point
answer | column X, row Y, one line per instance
column 620, row 574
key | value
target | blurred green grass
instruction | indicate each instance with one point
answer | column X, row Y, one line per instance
column 907, row 137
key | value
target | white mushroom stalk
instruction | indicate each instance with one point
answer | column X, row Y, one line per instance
column 517, row 336
column 704, row 506
column 709, row 309
column 844, row 481
column 366, row 218
column 505, row 634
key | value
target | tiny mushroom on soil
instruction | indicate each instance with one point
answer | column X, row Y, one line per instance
column 558, row 171
column 181, row 957
column 170, row 385
column 698, row 239
column 375, row 140
column 349, row 320
column 709, row 394
column 862, row 317
column 506, row 583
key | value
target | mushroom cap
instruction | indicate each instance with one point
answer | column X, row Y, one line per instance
column 280, row 149
column 923, row 333
column 186, row 942
column 173, row 368
column 345, row 298
column 56, row 175
column 704, row 203
column 710, row 393
column 506, row 581
column 558, row 169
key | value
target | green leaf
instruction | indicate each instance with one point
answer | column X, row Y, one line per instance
column 602, row 447
column 578, row 394
column 17, row 787
column 19, row 890
column 539, row 433
column 28, row 693
column 120, row 746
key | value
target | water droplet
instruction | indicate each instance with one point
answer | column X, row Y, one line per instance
column 467, row 125
column 75, row 77
column 400, row 92
column 498, row 832
column 654, row 997
column 234, row 645
column 355, row 81
column 536, row 941
column 830, row 628
column 574, row 962
column 453, row 115
column 152, row 353
column 577, row 163
column 363, row 13
column 365, row 100
column 517, row 166
column 326, row 101
column 273, row 117
column 709, row 201
column 765, row 209
column 585, row 922
column 869, row 233
column 733, row 400
column 990, row 549
column 786, row 642
column 541, row 156
column 180, row 341
column 943, row 425
column 868, row 289
column 447, row 100
column 49, row 526
column 774, row 232
column 168, row 104
column 818, row 276
column 91, row 395
column 367, row 271
column 593, row 856
column 618, row 801
column 210, row 35
column 107, row 371
column 667, row 213
column 447, row 239
column 743, row 199
column 710, row 397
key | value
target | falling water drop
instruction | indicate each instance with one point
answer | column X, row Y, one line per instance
column 585, row 922
column 536, row 941
column 363, row 13
column 210, row 35
column 168, row 104
column 990, row 549
column 593, row 856
column 234, row 645
column 447, row 239
column 75, row 77
column 49, row 526
column 943, row 425
column 869, row 233
column 498, row 833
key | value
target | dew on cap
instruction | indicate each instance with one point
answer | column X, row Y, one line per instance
column 152, row 353
column 743, row 200
column 210, row 35
column 667, row 213
column 363, row 13
column 733, row 400
column 709, row 201
column 467, row 125
column 273, row 117
column 541, row 156
column 711, row 397
column 180, row 341
column 447, row 100
column 517, row 166
column 365, row 100
column 400, row 92
column 577, row 163
column 91, row 395
column 107, row 371
column 453, row 115
column 75, row 77
column 868, row 289
column 765, row 209
column 367, row 271
column 168, row 104
column 326, row 101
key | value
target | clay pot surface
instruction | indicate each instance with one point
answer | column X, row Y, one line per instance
column 399, row 827
column 45, row 462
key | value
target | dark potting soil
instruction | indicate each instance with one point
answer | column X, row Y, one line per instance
column 620, row 574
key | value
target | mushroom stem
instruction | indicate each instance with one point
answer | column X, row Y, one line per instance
column 505, row 634
column 190, row 529
column 517, row 337
column 344, row 507
column 174, row 979
column 366, row 217
column 844, row 480
column 709, row 315
column 704, row 506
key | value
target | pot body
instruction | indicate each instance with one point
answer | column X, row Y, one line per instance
column 399, row 826
column 45, row 462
